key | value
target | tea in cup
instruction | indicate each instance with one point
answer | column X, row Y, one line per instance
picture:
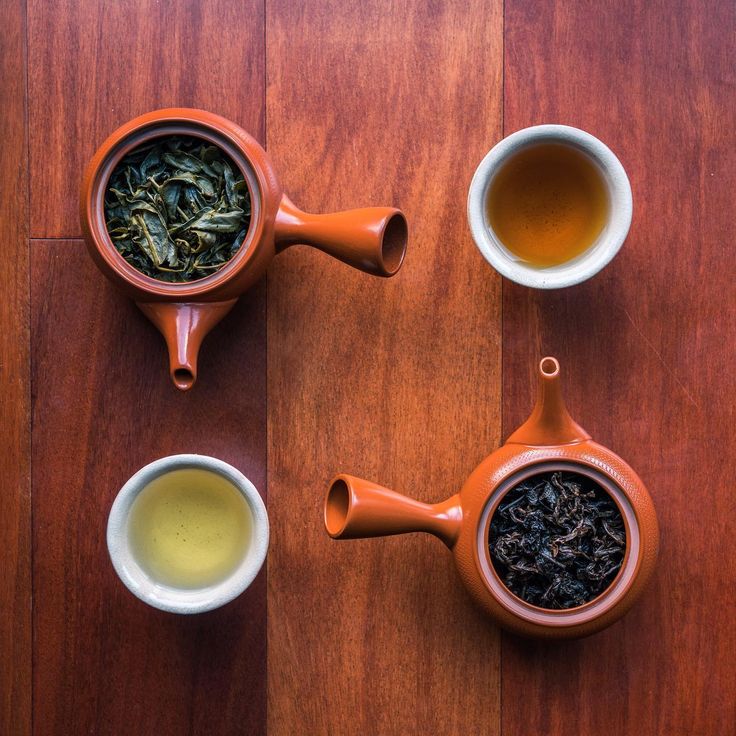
column 549, row 206
column 187, row 533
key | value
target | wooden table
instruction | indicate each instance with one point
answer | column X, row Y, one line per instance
column 410, row 382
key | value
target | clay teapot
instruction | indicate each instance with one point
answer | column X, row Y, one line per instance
column 548, row 441
column 372, row 239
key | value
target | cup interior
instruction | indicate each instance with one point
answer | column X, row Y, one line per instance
column 116, row 150
column 590, row 610
column 162, row 586
column 598, row 253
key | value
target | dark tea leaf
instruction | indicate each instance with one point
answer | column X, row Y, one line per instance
column 177, row 209
column 557, row 540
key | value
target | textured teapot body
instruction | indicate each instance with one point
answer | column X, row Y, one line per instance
column 549, row 441
column 503, row 470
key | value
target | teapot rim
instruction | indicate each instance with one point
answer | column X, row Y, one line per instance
column 137, row 131
column 592, row 609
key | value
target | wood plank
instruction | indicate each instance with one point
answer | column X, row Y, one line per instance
column 93, row 66
column 104, row 406
column 397, row 381
column 15, row 499
column 107, row 660
column 646, row 348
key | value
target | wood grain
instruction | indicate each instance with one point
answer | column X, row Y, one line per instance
column 15, row 497
column 104, row 406
column 95, row 65
column 646, row 349
column 397, row 381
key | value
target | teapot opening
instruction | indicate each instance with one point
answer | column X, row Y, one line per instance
column 614, row 590
column 337, row 507
column 183, row 378
column 393, row 245
column 550, row 367
column 557, row 539
column 93, row 206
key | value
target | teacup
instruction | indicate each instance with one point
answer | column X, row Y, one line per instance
column 187, row 533
column 615, row 223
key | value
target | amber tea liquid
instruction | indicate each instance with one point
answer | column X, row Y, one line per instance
column 548, row 204
column 190, row 528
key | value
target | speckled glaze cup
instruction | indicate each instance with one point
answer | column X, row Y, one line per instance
column 592, row 260
column 166, row 597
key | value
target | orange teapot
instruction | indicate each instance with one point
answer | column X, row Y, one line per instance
column 372, row 239
column 548, row 441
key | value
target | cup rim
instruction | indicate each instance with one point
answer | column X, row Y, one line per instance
column 588, row 263
column 168, row 598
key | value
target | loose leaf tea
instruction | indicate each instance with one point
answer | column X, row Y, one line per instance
column 557, row 540
column 177, row 209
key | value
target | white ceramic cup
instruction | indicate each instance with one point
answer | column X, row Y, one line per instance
column 592, row 260
column 167, row 597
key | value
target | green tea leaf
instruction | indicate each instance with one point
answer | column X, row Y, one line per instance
column 193, row 200
column 170, row 192
column 202, row 183
column 209, row 154
column 153, row 229
column 181, row 161
column 151, row 160
column 219, row 222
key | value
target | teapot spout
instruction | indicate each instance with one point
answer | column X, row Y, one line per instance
column 371, row 239
column 184, row 326
column 356, row 508
column 549, row 423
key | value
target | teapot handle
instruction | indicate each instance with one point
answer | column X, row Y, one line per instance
column 356, row 508
column 372, row 239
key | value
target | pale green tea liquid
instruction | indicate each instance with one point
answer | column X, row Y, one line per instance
column 190, row 528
